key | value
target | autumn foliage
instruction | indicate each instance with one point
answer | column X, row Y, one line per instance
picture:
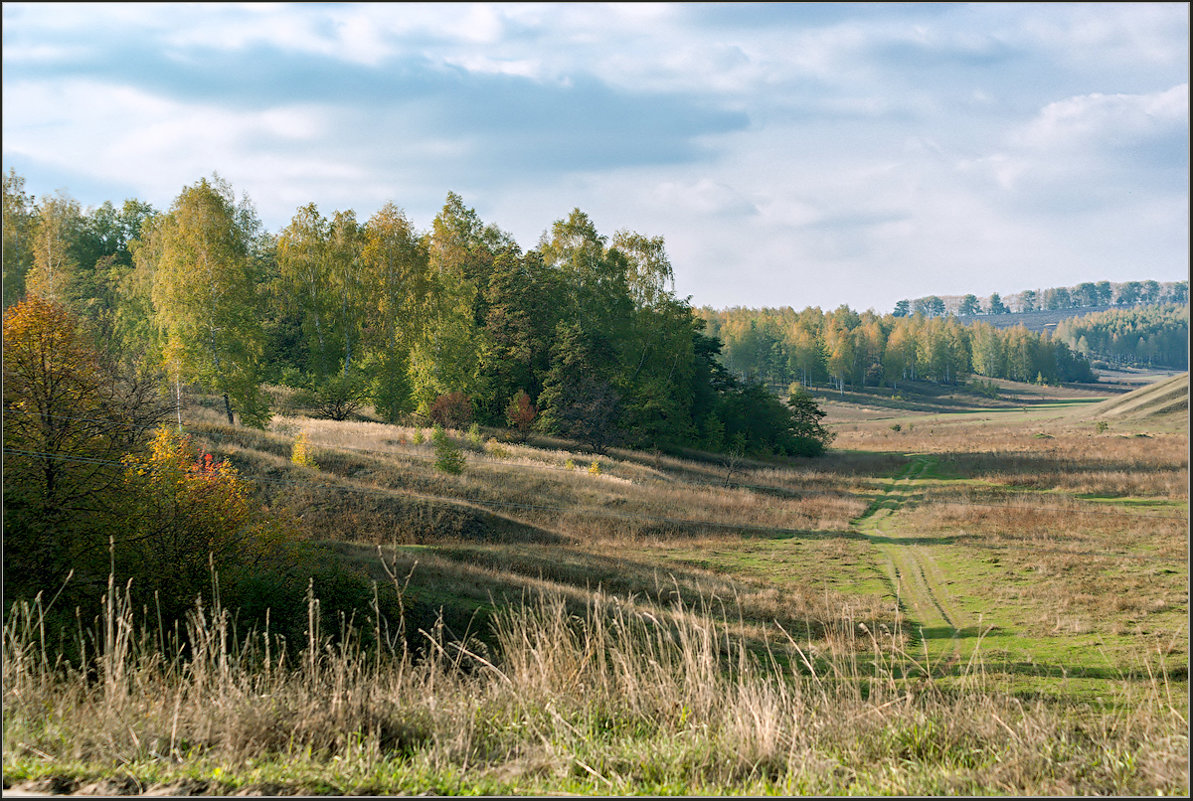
column 190, row 513
column 520, row 414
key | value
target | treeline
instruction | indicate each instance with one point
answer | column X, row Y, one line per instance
column 842, row 347
column 1152, row 336
column 1084, row 295
column 458, row 324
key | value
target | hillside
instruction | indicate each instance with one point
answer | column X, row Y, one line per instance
column 1168, row 396
column 1039, row 321
column 636, row 623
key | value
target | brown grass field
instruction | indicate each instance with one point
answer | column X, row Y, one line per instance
column 988, row 599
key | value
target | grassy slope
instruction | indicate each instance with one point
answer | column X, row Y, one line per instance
column 1000, row 522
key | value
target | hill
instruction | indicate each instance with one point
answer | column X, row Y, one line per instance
column 1167, row 396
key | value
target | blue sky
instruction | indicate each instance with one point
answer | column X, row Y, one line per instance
column 790, row 154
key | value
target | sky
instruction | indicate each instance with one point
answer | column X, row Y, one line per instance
column 789, row 154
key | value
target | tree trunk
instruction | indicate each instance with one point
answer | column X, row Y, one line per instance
column 228, row 409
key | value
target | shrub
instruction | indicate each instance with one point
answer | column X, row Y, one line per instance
column 475, row 441
column 594, row 469
column 453, row 410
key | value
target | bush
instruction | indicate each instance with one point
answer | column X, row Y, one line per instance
column 341, row 395
column 453, row 410
column 475, row 440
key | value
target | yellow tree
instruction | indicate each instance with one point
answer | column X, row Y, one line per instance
column 204, row 293
column 67, row 422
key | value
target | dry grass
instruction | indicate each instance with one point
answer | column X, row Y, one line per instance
column 616, row 700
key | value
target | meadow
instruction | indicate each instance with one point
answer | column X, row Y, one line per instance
column 964, row 596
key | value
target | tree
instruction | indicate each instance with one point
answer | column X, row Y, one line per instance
column 1057, row 298
column 1150, row 292
column 650, row 273
column 446, row 356
column 204, row 293
column 305, row 273
column 453, row 410
column 1128, row 293
column 394, row 260
column 811, row 438
column 1085, row 294
column 55, row 263
column 577, row 400
column 997, row 306
column 969, row 306
column 19, row 225
column 1178, row 293
column 189, row 513
column 1028, row 300
column 520, row 414
column 1105, row 293
column 68, row 419
column 902, row 308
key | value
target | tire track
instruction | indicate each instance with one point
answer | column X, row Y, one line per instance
column 915, row 577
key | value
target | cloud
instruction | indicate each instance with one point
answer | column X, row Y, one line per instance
column 788, row 152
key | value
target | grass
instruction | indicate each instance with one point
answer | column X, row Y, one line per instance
column 988, row 601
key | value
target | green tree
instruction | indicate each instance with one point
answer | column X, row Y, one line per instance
column 969, row 306
column 578, row 400
column 204, row 293
column 650, row 276
column 395, row 262
column 19, row 225
column 1129, row 293
column 55, row 263
column 1085, row 294
column 304, row 269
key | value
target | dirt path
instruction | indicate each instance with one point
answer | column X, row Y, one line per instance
column 919, row 583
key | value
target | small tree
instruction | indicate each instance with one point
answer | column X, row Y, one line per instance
column 520, row 414
column 300, row 454
column 448, row 457
column 341, row 395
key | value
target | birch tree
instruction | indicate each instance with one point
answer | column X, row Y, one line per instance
column 204, row 297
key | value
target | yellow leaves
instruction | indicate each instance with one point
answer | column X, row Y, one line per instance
column 300, row 454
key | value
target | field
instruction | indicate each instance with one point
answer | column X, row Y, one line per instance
column 970, row 594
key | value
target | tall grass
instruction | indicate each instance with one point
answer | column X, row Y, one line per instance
column 621, row 697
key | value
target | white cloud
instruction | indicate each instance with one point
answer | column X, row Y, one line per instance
column 1096, row 119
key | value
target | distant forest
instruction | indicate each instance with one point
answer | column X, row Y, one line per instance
column 580, row 337
column 1088, row 294
column 844, row 348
